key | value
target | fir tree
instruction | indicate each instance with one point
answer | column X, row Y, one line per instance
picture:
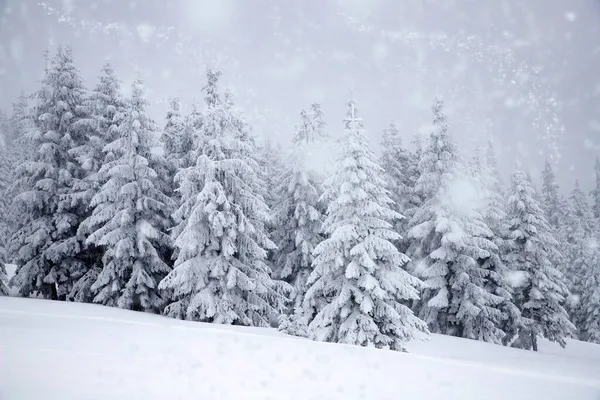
column 130, row 216
column 220, row 273
column 552, row 203
column 5, row 220
column 451, row 248
column 358, row 286
column 531, row 251
column 105, row 110
column 298, row 216
column 271, row 168
column 177, row 141
column 596, row 194
column 588, row 312
column 46, row 246
column 577, row 230
column 396, row 162
column 21, row 128
column 494, row 216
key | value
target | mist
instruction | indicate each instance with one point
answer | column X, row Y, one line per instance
column 521, row 73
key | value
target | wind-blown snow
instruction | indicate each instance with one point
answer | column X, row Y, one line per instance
column 55, row 350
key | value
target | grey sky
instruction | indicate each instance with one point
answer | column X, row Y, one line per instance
column 500, row 65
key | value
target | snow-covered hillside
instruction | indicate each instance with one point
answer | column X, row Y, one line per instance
column 51, row 350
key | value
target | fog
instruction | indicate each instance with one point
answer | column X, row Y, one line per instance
column 522, row 72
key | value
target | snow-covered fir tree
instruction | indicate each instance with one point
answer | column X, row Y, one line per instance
column 596, row 194
column 21, row 126
column 494, row 215
column 588, row 312
column 531, row 250
column 131, row 215
column 358, row 287
column 220, row 273
column 177, row 141
column 105, row 109
column 552, row 202
column 396, row 162
column 298, row 217
column 271, row 167
column 5, row 203
column 46, row 247
column 451, row 247
column 579, row 234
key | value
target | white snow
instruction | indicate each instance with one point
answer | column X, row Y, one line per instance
column 55, row 350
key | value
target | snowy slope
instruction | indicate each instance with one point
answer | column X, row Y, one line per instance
column 63, row 351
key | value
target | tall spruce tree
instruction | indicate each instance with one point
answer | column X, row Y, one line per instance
column 298, row 217
column 130, row 216
column 552, row 204
column 46, row 247
column 106, row 110
column 494, row 215
column 596, row 194
column 531, row 250
column 358, row 287
column 577, row 230
column 5, row 181
column 220, row 273
column 177, row 142
column 452, row 248
column 396, row 162
column 588, row 312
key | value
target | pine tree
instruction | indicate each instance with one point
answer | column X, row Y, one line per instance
column 577, row 230
column 130, row 216
column 271, row 168
column 220, row 273
column 5, row 220
column 596, row 194
column 552, row 203
column 531, row 251
column 588, row 313
column 298, row 216
column 494, row 216
column 451, row 248
column 21, row 126
column 358, row 286
column 105, row 110
column 177, row 141
column 396, row 162
column 46, row 246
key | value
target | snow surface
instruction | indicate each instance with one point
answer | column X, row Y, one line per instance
column 55, row 350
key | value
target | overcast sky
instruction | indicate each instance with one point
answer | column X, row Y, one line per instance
column 519, row 70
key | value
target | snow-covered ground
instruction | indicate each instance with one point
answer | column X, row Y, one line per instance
column 51, row 350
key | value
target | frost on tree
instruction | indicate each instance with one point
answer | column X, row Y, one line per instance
column 577, row 231
column 553, row 204
column 130, row 216
column 531, row 250
column 298, row 217
column 177, row 142
column 105, row 109
column 588, row 312
column 494, row 215
column 358, row 287
column 451, row 248
column 596, row 193
column 220, row 273
column 46, row 248
column 398, row 166
column 5, row 180
column 270, row 170
column 581, row 259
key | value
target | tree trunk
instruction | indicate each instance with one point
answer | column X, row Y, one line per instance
column 53, row 292
column 534, row 342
